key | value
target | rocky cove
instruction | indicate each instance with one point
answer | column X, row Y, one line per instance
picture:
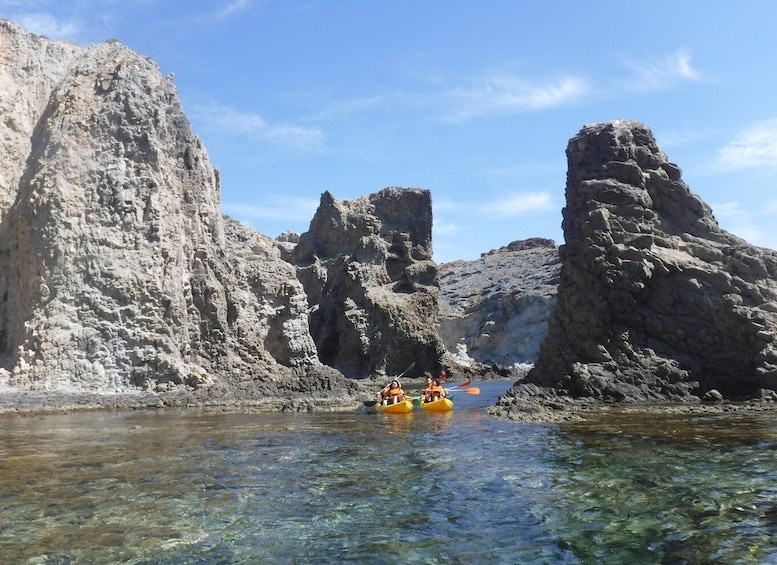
column 123, row 286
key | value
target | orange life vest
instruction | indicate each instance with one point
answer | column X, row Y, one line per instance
column 389, row 392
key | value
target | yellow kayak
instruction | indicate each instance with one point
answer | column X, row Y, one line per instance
column 399, row 408
column 439, row 405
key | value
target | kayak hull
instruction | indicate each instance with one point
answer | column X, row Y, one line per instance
column 440, row 405
column 403, row 407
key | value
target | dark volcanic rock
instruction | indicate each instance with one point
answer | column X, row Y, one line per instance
column 655, row 302
column 367, row 269
column 495, row 309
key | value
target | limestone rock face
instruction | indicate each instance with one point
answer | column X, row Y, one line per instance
column 367, row 269
column 655, row 301
column 117, row 270
column 495, row 309
column 30, row 67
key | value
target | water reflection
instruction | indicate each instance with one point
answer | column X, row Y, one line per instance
column 461, row 487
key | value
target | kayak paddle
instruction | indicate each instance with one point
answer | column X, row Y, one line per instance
column 374, row 402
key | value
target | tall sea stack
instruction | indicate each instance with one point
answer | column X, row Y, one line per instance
column 655, row 302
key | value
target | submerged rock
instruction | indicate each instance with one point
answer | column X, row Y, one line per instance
column 655, row 302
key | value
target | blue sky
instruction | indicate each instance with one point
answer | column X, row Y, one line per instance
column 473, row 100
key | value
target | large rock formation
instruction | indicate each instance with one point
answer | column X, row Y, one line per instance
column 495, row 309
column 367, row 269
column 117, row 270
column 655, row 301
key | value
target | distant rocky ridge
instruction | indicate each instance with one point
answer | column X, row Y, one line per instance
column 656, row 303
column 495, row 309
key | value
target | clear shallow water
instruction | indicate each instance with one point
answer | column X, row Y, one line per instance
column 463, row 487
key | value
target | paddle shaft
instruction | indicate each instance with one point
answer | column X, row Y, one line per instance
column 374, row 402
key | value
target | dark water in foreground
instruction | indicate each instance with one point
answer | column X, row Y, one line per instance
column 177, row 488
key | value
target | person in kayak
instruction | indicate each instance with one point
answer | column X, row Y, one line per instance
column 392, row 393
column 434, row 391
column 428, row 385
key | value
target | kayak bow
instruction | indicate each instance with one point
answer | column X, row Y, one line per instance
column 439, row 405
column 403, row 407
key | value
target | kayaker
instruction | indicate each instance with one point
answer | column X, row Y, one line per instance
column 427, row 389
column 392, row 393
column 435, row 392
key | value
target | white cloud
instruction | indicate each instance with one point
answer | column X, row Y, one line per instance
column 517, row 204
column 45, row 24
column 233, row 7
column 754, row 226
column 507, row 94
column 251, row 124
column 664, row 72
column 283, row 209
column 346, row 107
column 448, row 204
column 442, row 227
column 754, row 147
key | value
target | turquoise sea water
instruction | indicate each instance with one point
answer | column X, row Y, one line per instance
column 463, row 487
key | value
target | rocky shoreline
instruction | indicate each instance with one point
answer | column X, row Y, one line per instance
column 27, row 403
column 581, row 411
column 541, row 409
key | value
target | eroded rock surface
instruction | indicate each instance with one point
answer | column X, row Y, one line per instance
column 656, row 302
column 367, row 269
column 117, row 271
column 495, row 309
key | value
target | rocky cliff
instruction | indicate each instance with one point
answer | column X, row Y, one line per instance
column 117, row 270
column 367, row 269
column 656, row 302
column 495, row 309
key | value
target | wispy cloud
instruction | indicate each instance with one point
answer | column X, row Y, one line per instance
column 756, row 146
column 443, row 227
column 233, row 7
column 45, row 24
column 277, row 209
column 679, row 136
column 508, row 206
column 753, row 225
column 346, row 107
column 663, row 72
column 231, row 121
column 508, row 94
column 517, row 204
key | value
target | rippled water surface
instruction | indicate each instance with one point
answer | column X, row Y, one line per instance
column 463, row 487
